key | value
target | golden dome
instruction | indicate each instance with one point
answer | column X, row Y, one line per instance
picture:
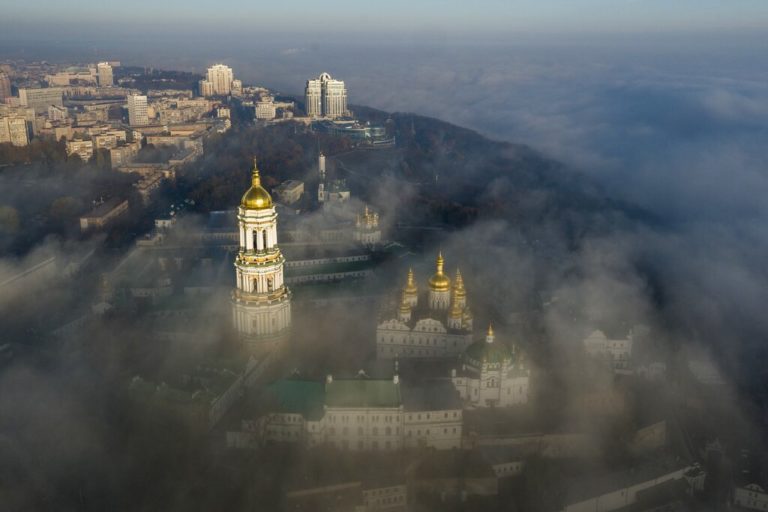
column 257, row 197
column 440, row 282
column 410, row 285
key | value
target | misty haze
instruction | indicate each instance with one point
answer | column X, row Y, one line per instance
column 426, row 257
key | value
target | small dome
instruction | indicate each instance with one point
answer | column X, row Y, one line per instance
column 488, row 351
column 484, row 352
column 440, row 282
column 257, row 197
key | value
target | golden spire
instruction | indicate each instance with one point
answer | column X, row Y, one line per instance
column 440, row 282
column 489, row 337
column 255, row 178
column 410, row 285
column 458, row 284
column 456, row 311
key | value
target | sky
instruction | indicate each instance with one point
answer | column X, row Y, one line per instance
column 441, row 16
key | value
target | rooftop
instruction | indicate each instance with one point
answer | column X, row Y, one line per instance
column 362, row 392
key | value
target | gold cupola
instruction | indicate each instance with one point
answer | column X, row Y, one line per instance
column 440, row 282
column 410, row 284
column 257, row 197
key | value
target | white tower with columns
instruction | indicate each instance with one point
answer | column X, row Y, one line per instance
column 261, row 301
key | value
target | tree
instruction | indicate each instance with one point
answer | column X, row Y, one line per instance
column 65, row 208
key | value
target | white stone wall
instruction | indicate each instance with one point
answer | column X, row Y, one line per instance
column 437, row 429
column 751, row 496
column 429, row 338
column 363, row 428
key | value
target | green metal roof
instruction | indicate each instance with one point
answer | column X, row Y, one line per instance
column 484, row 352
column 298, row 396
column 362, row 392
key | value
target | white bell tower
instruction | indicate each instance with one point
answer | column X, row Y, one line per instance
column 261, row 301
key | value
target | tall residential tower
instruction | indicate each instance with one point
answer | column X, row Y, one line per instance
column 104, row 74
column 137, row 110
column 325, row 97
column 219, row 81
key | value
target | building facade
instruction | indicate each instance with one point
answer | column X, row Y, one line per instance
column 325, row 97
column 104, row 73
column 81, row 148
column 356, row 414
column 5, row 86
column 219, row 80
column 435, row 325
column 492, row 375
column 367, row 229
column 751, row 496
column 137, row 110
column 617, row 352
column 261, row 300
column 13, row 130
column 40, row 99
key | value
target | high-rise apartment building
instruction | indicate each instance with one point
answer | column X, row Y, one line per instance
column 13, row 129
column 40, row 99
column 104, row 72
column 5, row 86
column 137, row 110
column 220, row 78
column 206, row 88
column 325, row 97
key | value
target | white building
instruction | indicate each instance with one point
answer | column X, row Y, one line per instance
column 359, row 414
column 289, row 191
column 237, row 88
column 206, row 88
column 266, row 110
column 617, row 352
column 436, row 325
column 40, row 99
column 104, row 73
column 5, row 86
column 261, row 300
column 492, row 375
column 321, row 192
column 220, row 78
column 57, row 113
column 81, row 148
column 137, row 110
column 751, row 496
column 325, row 97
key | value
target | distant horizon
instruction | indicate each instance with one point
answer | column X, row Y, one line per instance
column 447, row 17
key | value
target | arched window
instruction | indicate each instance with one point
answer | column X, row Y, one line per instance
column 265, row 239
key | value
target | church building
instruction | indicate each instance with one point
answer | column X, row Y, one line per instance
column 492, row 375
column 436, row 324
